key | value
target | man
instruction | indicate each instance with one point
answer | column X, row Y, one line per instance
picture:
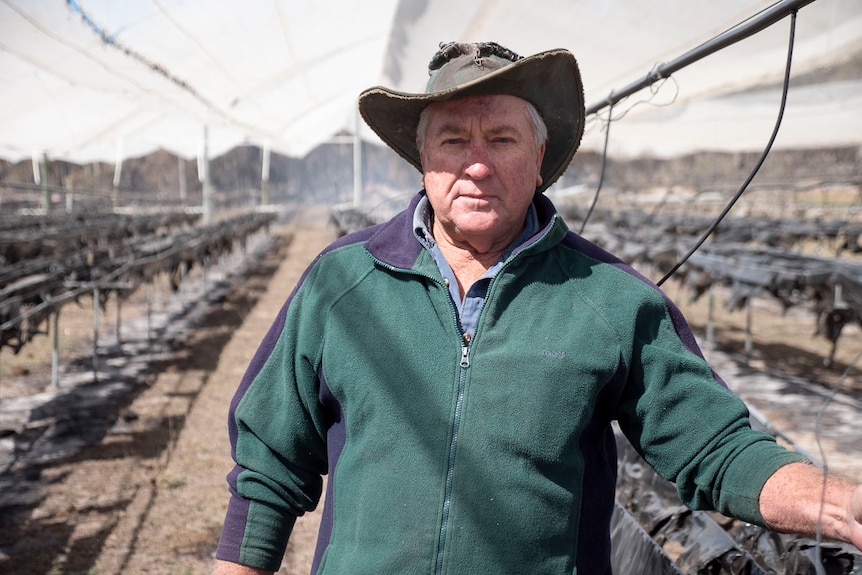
column 456, row 370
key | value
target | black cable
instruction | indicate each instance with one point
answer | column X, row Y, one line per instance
column 760, row 161
column 818, row 537
column 602, row 172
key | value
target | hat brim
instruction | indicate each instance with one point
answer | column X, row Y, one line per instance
column 549, row 80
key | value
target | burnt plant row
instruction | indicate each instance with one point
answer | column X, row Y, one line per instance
column 105, row 255
column 24, row 237
column 754, row 257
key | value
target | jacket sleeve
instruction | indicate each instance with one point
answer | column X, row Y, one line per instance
column 688, row 425
column 277, row 431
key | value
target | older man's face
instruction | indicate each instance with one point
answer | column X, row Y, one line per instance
column 481, row 168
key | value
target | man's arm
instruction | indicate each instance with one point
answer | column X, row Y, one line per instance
column 793, row 501
column 229, row 568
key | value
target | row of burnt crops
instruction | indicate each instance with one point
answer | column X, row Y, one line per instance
column 810, row 263
column 49, row 261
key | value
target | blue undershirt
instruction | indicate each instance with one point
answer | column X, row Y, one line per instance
column 468, row 309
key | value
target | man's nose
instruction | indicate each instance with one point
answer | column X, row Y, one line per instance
column 478, row 162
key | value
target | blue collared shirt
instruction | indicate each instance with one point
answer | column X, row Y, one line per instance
column 468, row 309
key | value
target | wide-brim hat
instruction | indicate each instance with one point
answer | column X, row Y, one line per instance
column 549, row 80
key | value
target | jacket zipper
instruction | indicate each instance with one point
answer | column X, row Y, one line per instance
column 464, row 364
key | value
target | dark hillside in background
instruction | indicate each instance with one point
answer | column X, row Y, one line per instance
column 326, row 173
column 702, row 170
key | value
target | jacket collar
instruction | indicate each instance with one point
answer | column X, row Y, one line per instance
column 394, row 242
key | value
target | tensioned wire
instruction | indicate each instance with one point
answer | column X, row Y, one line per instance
column 763, row 156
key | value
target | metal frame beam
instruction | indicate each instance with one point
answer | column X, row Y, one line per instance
column 739, row 32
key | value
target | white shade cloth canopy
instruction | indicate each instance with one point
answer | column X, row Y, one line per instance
column 99, row 80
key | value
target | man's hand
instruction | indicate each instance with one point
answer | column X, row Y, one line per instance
column 856, row 516
column 794, row 500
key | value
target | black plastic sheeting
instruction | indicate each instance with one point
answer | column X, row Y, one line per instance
column 634, row 551
column 653, row 533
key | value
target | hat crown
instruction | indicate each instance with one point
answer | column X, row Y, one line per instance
column 458, row 63
column 549, row 80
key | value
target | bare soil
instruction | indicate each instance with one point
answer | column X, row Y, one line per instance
column 149, row 496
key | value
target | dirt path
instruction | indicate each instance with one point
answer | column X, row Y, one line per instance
column 150, row 496
column 173, row 526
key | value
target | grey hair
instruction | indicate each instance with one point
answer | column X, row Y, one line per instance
column 540, row 130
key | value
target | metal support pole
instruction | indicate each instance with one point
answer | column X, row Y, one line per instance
column 749, row 343
column 204, row 170
column 46, row 193
column 150, row 309
column 158, row 287
column 181, row 173
column 96, row 333
column 119, row 319
column 740, row 32
column 183, row 271
column 55, row 352
column 710, row 319
column 264, row 176
column 118, row 173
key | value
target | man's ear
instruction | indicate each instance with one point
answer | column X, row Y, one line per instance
column 539, row 166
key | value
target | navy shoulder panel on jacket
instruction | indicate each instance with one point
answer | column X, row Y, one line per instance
column 394, row 242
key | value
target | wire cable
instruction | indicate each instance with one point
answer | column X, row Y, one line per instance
column 654, row 89
column 158, row 69
column 602, row 172
column 110, row 40
column 818, row 561
column 763, row 156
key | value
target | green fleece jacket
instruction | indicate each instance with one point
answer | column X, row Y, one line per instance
column 493, row 456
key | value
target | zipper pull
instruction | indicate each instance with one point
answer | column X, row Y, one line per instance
column 465, row 351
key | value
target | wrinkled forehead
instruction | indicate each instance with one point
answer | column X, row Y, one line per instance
column 503, row 107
